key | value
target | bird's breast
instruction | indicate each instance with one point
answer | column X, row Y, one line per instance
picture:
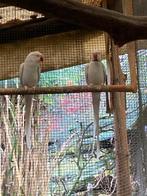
column 30, row 76
column 96, row 74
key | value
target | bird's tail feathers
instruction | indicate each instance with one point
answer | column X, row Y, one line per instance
column 28, row 104
column 96, row 105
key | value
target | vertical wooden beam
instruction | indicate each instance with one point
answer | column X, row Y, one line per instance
column 131, row 47
column 121, row 141
column 109, row 97
column 131, row 50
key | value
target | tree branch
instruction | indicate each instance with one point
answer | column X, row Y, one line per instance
column 121, row 28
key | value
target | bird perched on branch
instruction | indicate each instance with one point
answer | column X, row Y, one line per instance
column 29, row 78
column 95, row 75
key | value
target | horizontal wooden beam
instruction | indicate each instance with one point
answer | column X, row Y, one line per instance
column 2, row 5
column 20, row 30
column 121, row 28
column 10, row 24
column 66, row 89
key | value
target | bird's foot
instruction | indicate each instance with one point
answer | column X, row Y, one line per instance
column 90, row 84
column 25, row 87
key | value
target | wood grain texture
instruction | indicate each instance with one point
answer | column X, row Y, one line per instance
column 17, row 30
column 121, row 28
column 67, row 89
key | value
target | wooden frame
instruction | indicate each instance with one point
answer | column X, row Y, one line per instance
column 74, row 12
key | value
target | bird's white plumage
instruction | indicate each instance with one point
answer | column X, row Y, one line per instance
column 29, row 77
column 30, row 69
column 95, row 75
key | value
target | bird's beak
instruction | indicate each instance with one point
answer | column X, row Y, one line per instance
column 41, row 58
column 96, row 56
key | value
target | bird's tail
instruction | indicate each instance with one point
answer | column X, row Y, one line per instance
column 28, row 104
column 96, row 105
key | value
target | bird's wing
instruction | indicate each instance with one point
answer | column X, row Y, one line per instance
column 105, row 75
column 38, row 71
column 21, row 72
column 86, row 73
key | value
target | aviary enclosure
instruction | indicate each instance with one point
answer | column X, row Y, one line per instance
column 62, row 159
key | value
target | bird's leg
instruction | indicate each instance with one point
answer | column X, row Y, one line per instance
column 90, row 84
column 25, row 87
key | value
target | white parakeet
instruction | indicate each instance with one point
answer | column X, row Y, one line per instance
column 29, row 77
column 95, row 75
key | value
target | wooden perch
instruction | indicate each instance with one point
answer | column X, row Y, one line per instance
column 121, row 28
column 10, row 32
column 66, row 89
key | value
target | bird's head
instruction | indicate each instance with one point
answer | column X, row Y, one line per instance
column 96, row 56
column 35, row 57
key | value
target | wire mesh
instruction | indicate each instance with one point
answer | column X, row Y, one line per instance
column 63, row 159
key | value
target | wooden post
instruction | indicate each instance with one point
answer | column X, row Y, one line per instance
column 109, row 95
column 131, row 47
column 109, row 101
column 121, row 142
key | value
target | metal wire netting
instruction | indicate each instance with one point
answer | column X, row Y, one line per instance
column 63, row 160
